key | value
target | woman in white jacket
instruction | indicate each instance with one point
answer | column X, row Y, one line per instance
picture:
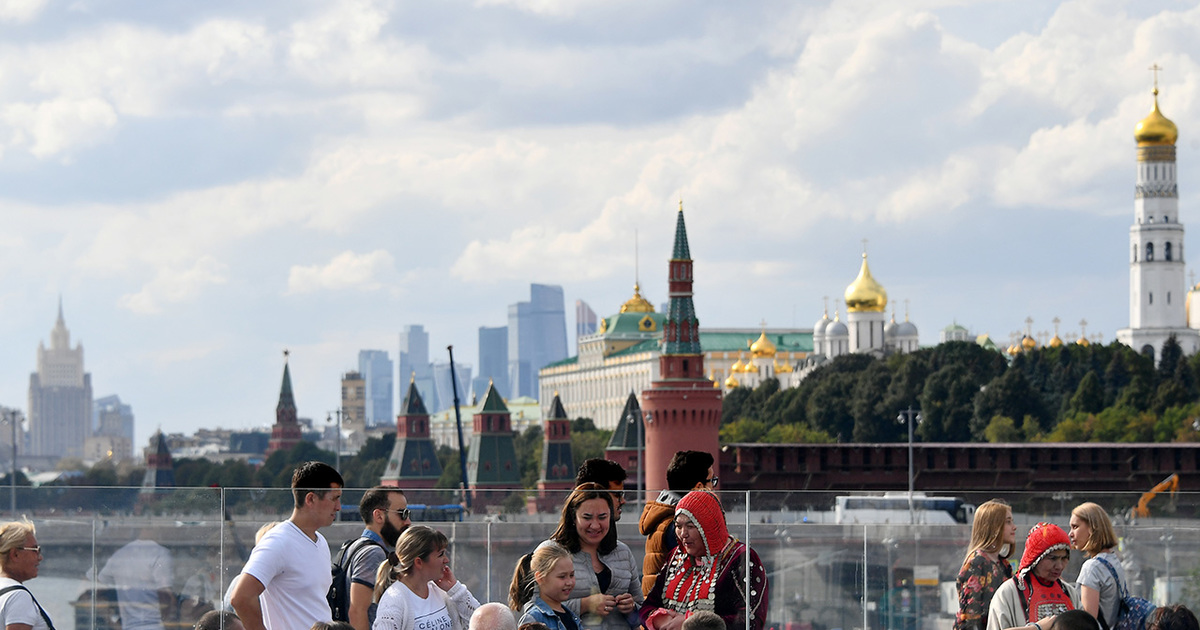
column 416, row 588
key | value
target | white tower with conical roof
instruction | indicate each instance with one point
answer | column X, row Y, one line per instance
column 1157, row 284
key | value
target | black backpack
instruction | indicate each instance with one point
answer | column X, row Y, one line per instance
column 339, row 591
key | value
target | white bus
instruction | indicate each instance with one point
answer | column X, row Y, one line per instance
column 893, row 507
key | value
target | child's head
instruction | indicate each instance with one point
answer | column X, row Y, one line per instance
column 548, row 571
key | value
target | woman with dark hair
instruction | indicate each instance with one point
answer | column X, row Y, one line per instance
column 607, row 577
column 1101, row 576
column 985, row 567
column 707, row 571
column 1175, row 617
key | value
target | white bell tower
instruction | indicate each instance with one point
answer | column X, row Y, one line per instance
column 1157, row 284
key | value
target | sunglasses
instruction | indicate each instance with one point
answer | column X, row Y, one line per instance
column 403, row 514
column 37, row 549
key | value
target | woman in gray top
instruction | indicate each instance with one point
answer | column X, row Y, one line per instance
column 608, row 591
column 1099, row 592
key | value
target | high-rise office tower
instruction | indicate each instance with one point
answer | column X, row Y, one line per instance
column 414, row 363
column 114, row 419
column 354, row 404
column 60, row 397
column 493, row 361
column 442, row 383
column 537, row 337
column 585, row 319
column 376, row 370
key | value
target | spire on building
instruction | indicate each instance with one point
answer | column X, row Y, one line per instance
column 681, row 332
column 413, row 405
column 413, row 463
column 160, row 467
column 285, row 433
column 558, row 463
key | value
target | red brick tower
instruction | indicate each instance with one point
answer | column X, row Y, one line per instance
column 682, row 409
column 414, row 463
column 558, row 465
column 286, row 432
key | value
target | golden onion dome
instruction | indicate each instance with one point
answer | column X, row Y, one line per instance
column 736, row 368
column 1056, row 342
column 749, row 368
column 865, row 294
column 1082, row 341
column 762, row 347
column 1028, row 343
column 1013, row 349
column 731, row 382
column 637, row 303
column 785, row 368
column 1155, row 129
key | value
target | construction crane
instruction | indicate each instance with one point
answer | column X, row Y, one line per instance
column 1142, row 509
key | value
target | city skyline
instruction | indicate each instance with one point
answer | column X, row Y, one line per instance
column 210, row 185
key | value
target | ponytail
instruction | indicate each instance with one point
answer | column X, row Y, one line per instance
column 521, row 589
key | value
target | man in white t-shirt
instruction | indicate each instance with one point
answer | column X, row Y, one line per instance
column 141, row 572
column 289, row 567
column 20, row 556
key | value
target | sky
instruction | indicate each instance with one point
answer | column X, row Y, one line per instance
column 205, row 185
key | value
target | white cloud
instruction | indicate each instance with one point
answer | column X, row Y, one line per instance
column 172, row 285
column 49, row 128
column 20, row 11
column 347, row 270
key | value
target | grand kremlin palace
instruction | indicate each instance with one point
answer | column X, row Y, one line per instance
column 622, row 357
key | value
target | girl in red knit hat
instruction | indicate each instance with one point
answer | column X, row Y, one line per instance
column 706, row 571
column 1036, row 593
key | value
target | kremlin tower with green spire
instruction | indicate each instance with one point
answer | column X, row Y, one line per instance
column 682, row 409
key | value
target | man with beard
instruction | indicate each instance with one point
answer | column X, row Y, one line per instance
column 385, row 512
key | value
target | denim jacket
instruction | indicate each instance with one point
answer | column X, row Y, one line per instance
column 538, row 610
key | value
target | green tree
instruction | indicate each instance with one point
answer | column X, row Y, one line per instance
column 1171, row 355
column 731, row 405
column 1008, row 395
column 796, row 434
column 947, row 405
column 1002, row 430
column 870, row 416
column 743, row 430
column 1089, row 396
column 829, row 406
column 528, row 445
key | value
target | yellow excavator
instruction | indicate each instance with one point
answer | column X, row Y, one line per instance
column 1142, row 509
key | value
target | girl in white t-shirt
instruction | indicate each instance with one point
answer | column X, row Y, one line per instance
column 416, row 589
column 1099, row 585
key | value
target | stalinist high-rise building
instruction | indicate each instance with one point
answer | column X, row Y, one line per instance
column 1157, row 286
column 60, row 397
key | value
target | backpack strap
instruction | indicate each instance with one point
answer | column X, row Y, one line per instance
column 351, row 551
column 1121, row 590
column 18, row 587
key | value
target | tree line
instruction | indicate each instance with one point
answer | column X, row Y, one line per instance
column 965, row 393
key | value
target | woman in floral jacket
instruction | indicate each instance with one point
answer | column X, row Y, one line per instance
column 986, row 566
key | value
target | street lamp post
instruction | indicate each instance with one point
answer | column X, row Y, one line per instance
column 337, row 456
column 12, row 477
column 908, row 416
